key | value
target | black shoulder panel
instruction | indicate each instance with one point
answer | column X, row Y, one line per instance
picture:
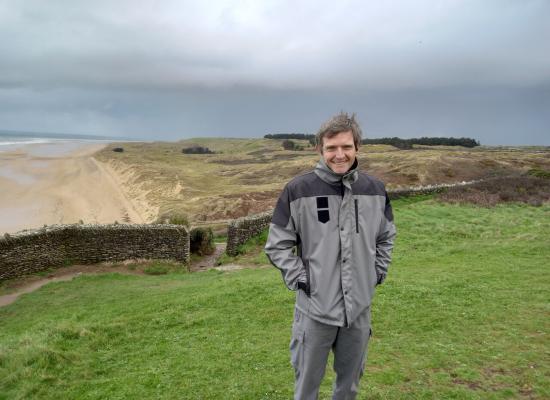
column 310, row 185
column 368, row 185
column 307, row 185
column 281, row 214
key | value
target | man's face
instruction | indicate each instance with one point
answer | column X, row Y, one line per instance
column 339, row 152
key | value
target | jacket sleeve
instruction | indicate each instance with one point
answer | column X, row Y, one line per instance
column 384, row 242
column 282, row 240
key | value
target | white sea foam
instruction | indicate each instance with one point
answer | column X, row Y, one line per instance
column 54, row 145
column 11, row 141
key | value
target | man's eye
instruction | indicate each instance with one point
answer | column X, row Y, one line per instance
column 330, row 148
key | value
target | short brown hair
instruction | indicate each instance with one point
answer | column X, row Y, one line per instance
column 339, row 123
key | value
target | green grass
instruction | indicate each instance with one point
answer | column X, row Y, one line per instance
column 464, row 314
column 156, row 269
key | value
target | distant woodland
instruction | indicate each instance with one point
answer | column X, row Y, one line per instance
column 296, row 136
column 425, row 141
column 394, row 141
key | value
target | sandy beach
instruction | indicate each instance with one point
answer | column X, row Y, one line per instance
column 59, row 183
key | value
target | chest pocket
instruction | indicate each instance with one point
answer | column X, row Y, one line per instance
column 323, row 214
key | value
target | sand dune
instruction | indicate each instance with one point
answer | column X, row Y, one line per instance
column 39, row 186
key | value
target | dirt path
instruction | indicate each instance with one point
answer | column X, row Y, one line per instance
column 10, row 298
column 208, row 262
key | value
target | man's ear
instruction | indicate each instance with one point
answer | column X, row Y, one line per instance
column 319, row 148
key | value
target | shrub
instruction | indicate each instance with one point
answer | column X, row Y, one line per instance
column 202, row 241
column 196, row 150
column 118, row 150
column 174, row 218
column 290, row 145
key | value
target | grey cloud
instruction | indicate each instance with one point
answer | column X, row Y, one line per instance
column 277, row 44
column 492, row 115
column 174, row 69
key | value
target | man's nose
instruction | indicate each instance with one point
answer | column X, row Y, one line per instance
column 339, row 152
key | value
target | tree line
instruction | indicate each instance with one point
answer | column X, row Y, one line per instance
column 298, row 136
column 426, row 141
column 394, row 141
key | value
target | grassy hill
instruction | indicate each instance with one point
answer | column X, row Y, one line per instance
column 245, row 176
column 464, row 314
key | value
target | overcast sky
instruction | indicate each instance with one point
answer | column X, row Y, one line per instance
column 168, row 70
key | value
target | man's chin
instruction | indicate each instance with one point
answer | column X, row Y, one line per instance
column 340, row 169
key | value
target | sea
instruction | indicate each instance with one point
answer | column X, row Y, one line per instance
column 52, row 144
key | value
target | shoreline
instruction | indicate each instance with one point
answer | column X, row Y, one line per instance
column 59, row 183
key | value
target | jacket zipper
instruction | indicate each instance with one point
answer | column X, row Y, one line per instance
column 356, row 217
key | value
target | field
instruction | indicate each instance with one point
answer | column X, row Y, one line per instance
column 464, row 314
column 245, row 176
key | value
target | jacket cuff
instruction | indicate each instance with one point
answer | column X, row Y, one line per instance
column 304, row 286
column 380, row 278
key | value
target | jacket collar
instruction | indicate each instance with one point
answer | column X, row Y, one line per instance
column 326, row 174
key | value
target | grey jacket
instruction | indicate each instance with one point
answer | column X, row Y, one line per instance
column 332, row 236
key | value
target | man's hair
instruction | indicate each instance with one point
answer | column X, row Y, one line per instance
column 341, row 122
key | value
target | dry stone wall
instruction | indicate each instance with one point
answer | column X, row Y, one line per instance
column 242, row 229
column 58, row 245
column 429, row 189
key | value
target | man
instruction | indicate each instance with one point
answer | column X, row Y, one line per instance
column 331, row 236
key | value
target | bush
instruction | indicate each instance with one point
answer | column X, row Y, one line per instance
column 174, row 218
column 290, row 145
column 118, row 150
column 403, row 145
column 196, row 150
column 202, row 241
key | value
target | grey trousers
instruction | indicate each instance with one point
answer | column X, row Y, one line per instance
column 309, row 349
